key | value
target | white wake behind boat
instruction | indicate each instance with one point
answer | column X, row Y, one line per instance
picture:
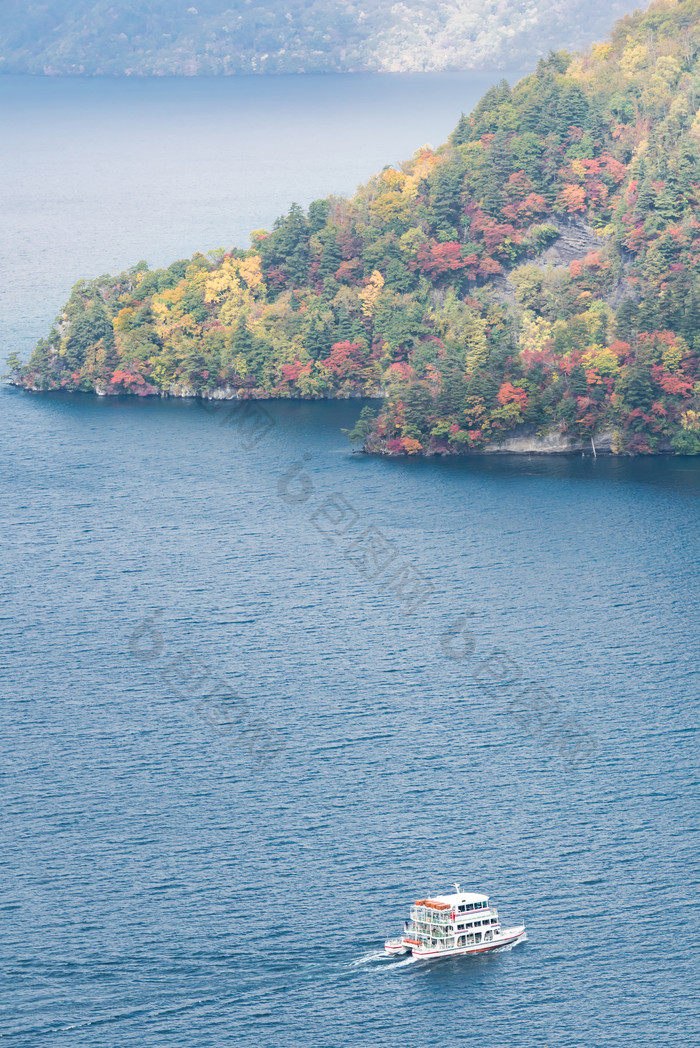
column 450, row 925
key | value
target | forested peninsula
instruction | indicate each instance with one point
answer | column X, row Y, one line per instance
column 532, row 284
column 233, row 37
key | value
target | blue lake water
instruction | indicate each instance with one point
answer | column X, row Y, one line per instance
column 164, row 881
column 259, row 694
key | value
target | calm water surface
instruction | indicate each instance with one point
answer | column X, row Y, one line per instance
column 158, row 886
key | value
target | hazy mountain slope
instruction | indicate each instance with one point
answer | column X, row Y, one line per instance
column 189, row 37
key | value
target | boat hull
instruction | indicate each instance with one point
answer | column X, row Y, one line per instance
column 509, row 937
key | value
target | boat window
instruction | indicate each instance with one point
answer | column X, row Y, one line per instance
column 470, row 906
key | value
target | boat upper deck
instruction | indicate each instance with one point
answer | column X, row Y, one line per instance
column 459, row 902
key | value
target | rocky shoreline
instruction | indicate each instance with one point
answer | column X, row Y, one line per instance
column 554, row 442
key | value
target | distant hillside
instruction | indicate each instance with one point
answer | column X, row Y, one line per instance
column 533, row 283
column 226, row 37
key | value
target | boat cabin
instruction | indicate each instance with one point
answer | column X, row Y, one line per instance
column 449, row 921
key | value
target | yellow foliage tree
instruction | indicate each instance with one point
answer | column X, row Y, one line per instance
column 604, row 361
column 393, row 179
column 251, row 273
column 535, row 331
column 690, row 420
column 673, row 354
column 122, row 321
column 369, row 295
column 222, row 282
column 167, row 308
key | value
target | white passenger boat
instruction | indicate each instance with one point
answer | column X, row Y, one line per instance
column 450, row 925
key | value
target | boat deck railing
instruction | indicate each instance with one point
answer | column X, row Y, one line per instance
column 426, row 915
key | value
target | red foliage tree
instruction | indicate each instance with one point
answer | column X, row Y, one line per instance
column 437, row 259
column 345, row 359
column 508, row 393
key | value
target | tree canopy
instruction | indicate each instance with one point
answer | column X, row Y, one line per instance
column 538, row 272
